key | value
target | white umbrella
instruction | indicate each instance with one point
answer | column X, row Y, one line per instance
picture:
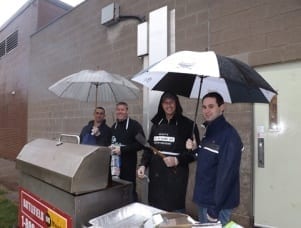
column 89, row 85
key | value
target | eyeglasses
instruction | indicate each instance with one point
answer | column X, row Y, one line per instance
column 99, row 113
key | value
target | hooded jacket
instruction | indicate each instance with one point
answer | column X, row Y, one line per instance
column 217, row 175
column 167, row 186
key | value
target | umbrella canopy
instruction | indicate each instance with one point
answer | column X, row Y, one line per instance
column 194, row 74
column 98, row 86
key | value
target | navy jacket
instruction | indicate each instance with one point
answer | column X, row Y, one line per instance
column 218, row 163
column 104, row 139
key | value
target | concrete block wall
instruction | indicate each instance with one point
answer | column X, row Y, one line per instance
column 14, row 74
column 257, row 32
column 14, row 70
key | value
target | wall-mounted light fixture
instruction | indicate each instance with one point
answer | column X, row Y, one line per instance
column 13, row 92
column 110, row 15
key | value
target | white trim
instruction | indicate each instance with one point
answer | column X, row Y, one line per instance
column 264, row 226
column 211, row 150
column 169, row 153
column 208, row 148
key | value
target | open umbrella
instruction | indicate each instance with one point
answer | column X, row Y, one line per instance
column 194, row 74
column 89, row 85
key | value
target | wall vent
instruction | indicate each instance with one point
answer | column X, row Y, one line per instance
column 2, row 48
column 11, row 41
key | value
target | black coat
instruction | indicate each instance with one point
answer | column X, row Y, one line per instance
column 167, row 187
column 125, row 134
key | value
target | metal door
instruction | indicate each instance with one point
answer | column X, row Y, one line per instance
column 277, row 164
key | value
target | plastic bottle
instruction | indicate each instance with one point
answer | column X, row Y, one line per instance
column 115, row 160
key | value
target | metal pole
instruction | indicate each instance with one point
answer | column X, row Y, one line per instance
column 96, row 95
column 197, row 105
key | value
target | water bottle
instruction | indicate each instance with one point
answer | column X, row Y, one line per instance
column 115, row 160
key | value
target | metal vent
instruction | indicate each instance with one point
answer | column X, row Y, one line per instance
column 12, row 41
column 2, row 48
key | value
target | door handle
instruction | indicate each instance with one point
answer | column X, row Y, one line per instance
column 260, row 149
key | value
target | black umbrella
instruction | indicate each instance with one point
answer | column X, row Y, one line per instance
column 194, row 74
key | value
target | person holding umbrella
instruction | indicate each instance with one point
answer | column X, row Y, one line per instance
column 168, row 173
column 97, row 132
column 217, row 188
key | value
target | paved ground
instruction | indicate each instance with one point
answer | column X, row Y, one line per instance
column 9, row 177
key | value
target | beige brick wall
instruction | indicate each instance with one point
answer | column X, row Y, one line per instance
column 14, row 70
column 257, row 32
column 14, row 75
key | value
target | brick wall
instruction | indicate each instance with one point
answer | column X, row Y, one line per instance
column 257, row 32
column 14, row 68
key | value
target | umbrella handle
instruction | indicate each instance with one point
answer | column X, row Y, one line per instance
column 197, row 106
column 96, row 95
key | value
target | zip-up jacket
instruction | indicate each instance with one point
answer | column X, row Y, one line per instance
column 217, row 176
column 104, row 139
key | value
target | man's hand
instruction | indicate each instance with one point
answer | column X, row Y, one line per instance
column 95, row 131
column 115, row 149
column 191, row 145
column 171, row 161
column 141, row 172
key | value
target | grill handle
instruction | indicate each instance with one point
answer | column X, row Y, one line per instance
column 60, row 142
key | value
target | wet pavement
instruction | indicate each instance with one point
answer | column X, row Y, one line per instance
column 9, row 177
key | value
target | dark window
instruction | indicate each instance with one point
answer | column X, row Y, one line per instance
column 12, row 41
column 2, row 48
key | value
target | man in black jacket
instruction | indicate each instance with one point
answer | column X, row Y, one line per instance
column 124, row 132
column 168, row 175
column 97, row 132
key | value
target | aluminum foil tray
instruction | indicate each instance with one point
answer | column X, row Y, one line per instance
column 131, row 216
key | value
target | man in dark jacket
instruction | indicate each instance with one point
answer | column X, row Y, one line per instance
column 169, row 175
column 217, row 188
column 97, row 132
column 124, row 132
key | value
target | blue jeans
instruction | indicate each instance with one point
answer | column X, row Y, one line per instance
column 223, row 217
column 183, row 211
